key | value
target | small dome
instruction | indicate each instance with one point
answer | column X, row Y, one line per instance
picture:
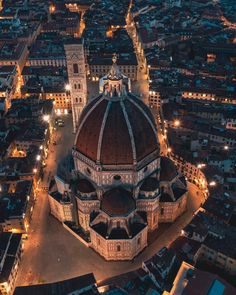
column 168, row 169
column 85, row 186
column 150, row 184
column 116, row 132
column 117, row 202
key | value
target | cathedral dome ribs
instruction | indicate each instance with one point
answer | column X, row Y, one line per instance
column 116, row 132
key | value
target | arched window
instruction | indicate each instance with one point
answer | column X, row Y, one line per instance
column 88, row 171
column 118, row 248
column 75, row 68
column 117, row 177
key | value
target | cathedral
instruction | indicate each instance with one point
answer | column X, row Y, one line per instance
column 122, row 187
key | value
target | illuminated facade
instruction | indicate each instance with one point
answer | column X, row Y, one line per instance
column 75, row 58
column 123, row 187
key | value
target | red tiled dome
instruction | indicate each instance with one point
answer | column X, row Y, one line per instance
column 118, row 131
column 117, row 201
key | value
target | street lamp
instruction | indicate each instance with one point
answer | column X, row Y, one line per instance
column 212, row 183
column 35, row 170
column 46, row 118
column 226, row 147
column 169, row 150
column 177, row 123
column 201, row 166
column 67, row 87
column 38, row 157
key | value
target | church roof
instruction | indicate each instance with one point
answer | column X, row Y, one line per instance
column 117, row 202
column 116, row 132
column 168, row 169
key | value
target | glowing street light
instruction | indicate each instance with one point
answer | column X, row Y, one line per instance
column 41, row 147
column 169, row 150
column 212, row 183
column 67, row 87
column 46, row 118
column 38, row 158
column 201, row 166
column 226, row 147
column 35, row 170
column 177, row 123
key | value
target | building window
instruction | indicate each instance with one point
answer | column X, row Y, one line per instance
column 118, row 248
column 138, row 241
column 75, row 86
column 118, row 224
column 162, row 211
column 75, row 68
column 88, row 171
column 117, row 177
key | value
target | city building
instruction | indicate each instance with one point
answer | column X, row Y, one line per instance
column 16, row 200
column 159, row 266
column 77, row 87
column 192, row 281
column 219, row 250
column 14, row 53
column 10, row 256
column 85, row 284
column 122, row 188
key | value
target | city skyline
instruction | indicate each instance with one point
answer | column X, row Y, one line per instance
column 117, row 147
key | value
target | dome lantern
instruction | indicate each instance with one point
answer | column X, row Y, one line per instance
column 115, row 86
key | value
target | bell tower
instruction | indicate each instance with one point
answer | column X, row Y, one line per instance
column 76, row 69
